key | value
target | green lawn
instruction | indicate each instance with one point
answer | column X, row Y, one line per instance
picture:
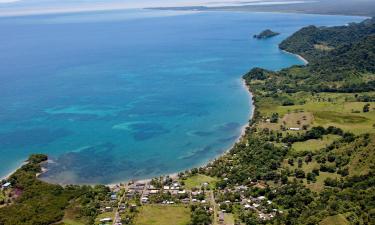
column 314, row 144
column 104, row 215
column 307, row 168
column 72, row 222
column 198, row 180
column 162, row 215
column 328, row 109
column 228, row 219
column 335, row 220
column 319, row 184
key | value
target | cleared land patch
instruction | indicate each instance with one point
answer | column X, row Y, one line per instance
column 324, row 109
column 335, row 220
column 315, row 144
column 104, row 215
column 161, row 215
column 197, row 181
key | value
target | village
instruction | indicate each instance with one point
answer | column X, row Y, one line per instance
column 129, row 201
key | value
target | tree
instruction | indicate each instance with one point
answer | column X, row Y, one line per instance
column 274, row 118
column 366, row 108
column 299, row 173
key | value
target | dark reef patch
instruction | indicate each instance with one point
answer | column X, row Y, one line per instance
column 144, row 131
column 23, row 138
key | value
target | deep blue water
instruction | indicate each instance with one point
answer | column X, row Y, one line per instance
column 113, row 96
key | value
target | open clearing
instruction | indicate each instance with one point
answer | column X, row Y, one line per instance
column 314, row 144
column 334, row 220
column 104, row 215
column 327, row 109
column 162, row 215
column 197, row 181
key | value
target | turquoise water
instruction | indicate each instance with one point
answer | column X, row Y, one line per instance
column 119, row 95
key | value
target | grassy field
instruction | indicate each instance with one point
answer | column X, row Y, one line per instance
column 335, row 220
column 314, row 144
column 161, row 215
column 327, row 109
column 71, row 222
column 104, row 215
column 228, row 219
column 318, row 185
column 72, row 215
column 198, row 180
column 362, row 159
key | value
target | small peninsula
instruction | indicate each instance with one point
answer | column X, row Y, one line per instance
column 266, row 34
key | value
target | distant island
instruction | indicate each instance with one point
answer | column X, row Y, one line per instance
column 266, row 34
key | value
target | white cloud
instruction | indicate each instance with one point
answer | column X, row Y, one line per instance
column 8, row 1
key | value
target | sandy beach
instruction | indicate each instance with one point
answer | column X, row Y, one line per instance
column 298, row 56
column 12, row 172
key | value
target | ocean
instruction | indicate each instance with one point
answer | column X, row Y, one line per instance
column 130, row 94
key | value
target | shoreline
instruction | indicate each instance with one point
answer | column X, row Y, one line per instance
column 239, row 139
column 8, row 175
column 175, row 174
column 305, row 62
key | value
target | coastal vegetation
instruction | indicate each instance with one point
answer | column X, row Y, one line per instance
column 307, row 156
column 312, row 139
column 38, row 202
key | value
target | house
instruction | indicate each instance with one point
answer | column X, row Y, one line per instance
column 185, row 200
column 241, row 188
column 195, row 193
column 174, row 192
column 6, row 185
column 166, row 188
column 146, row 193
column 144, row 200
column 113, row 197
column 140, row 184
column 247, row 206
column 152, row 192
column 106, row 220
column 108, row 209
column 130, row 193
column 295, row 128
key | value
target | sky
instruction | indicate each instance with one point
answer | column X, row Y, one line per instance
column 30, row 7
